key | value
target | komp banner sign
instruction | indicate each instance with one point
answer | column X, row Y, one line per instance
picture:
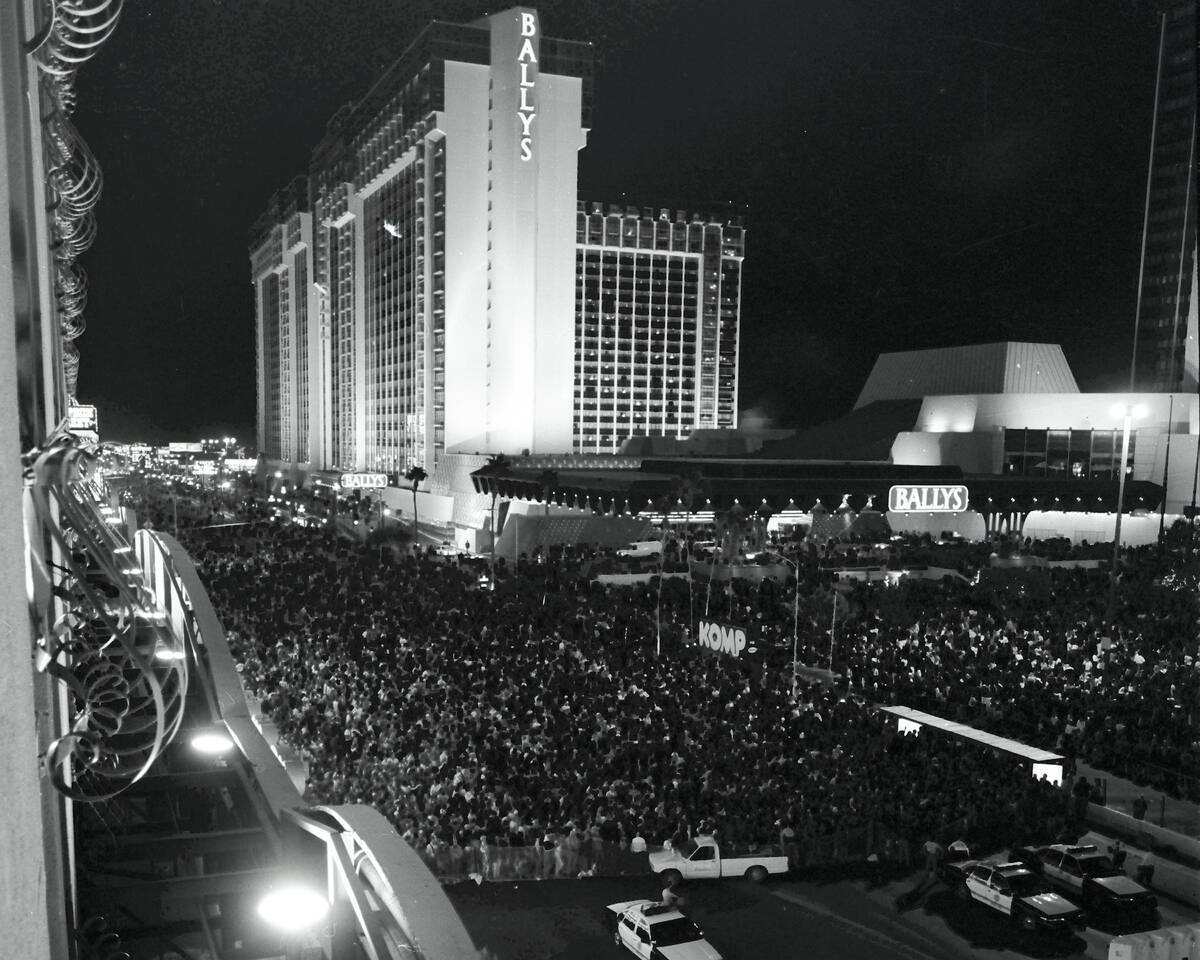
column 721, row 637
column 939, row 498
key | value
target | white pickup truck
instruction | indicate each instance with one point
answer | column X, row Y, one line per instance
column 701, row 858
column 641, row 549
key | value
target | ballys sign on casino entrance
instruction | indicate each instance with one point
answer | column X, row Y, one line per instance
column 936, row 498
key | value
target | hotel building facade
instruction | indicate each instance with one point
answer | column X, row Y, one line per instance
column 434, row 287
column 1165, row 356
column 657, row 308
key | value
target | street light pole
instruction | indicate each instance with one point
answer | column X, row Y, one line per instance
column 833, row 625
column 795, row 620
column 1116, row 559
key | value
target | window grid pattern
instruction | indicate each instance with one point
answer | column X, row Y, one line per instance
column 396, row 354
column 342, row 307
column 1169, row 243
column 286, row 383
column 657, row 311
column 270, row 334
column 1094, row 454
column 300, row 307
column 436, row 246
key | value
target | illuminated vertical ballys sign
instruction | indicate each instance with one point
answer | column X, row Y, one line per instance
column 527, row 62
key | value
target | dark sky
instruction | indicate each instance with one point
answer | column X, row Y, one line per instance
column 912, row 173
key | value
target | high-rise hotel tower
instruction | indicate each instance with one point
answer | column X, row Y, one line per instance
column 434, row 287
column 1165, row 356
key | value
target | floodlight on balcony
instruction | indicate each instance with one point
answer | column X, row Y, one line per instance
column 293, row 908
column 211, row 742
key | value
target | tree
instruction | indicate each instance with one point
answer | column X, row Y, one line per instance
column 416, row 475
column 497, row 466
column 548, row 480
column 665, row 505
column 691, row 486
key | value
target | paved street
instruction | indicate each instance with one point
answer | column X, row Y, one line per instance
column 564, row 920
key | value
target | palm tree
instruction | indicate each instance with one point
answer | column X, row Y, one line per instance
column 691, row 485
column 497, row 466
column 548, row 480
column 665, row 504
column 729, row 526
column 416, row 475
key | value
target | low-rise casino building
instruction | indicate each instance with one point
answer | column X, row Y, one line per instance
column 970, row 440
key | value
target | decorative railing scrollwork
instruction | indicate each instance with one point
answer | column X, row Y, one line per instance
column 75, row 31
column 95, row 941
column 70, row 362
column 103, row 634
column 71, row 34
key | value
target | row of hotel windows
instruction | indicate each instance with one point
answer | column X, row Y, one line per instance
column 656, row 234
column 1065, row 453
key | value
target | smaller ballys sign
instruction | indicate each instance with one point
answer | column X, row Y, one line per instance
column 941, row 498
column 721, row 637
column 352, row 481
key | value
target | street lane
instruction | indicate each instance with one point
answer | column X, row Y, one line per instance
column 841, row 920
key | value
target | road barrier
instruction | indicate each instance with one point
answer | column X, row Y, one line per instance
column 564, row 859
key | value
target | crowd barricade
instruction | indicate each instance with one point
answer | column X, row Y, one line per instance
column 852, row 845
column 594, row 858
column 535, row 862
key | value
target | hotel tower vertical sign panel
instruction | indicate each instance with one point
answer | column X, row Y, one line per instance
column 527, row 63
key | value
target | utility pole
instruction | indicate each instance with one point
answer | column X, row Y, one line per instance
column 833, row 625
column 1162, row 510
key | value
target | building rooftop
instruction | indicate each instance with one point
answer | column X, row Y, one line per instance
column 1010, row 367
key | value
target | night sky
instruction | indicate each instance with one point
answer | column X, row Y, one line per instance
column 912, row 173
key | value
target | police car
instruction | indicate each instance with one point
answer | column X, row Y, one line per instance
column 1082, row 871
column 1015, row 891
column 658, row 931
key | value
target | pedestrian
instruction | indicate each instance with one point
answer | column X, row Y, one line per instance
column 1144, row 868
column 1117, row 854
column 1139, row 807
column 669, row 897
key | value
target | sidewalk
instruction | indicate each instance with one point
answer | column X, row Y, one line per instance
column 1179, row 816
column 1178, row 882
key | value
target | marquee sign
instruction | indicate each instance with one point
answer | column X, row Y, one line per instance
column 82, row 418
column 527, row 62
column 352, row 481
column 721, row 637
column 936, row 498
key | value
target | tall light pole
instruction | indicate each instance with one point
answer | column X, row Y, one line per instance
column 795, row 618
column 1128, row 411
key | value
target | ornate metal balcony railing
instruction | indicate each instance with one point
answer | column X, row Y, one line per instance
column 101, row 631
column 72, row 33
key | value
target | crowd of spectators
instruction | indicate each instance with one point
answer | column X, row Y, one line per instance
column 539, row 714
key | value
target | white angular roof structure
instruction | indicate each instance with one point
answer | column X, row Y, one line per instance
column 983, row 368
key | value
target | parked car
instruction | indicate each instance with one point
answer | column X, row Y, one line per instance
column 658, row 931
column 1088, row 876
column 703, row 858
column 1015, row 891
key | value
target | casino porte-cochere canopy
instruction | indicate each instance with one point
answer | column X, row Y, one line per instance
column 778, row 485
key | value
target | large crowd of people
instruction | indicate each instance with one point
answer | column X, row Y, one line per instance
column 540, row 713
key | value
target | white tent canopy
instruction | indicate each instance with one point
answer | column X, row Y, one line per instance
column 956, row 729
